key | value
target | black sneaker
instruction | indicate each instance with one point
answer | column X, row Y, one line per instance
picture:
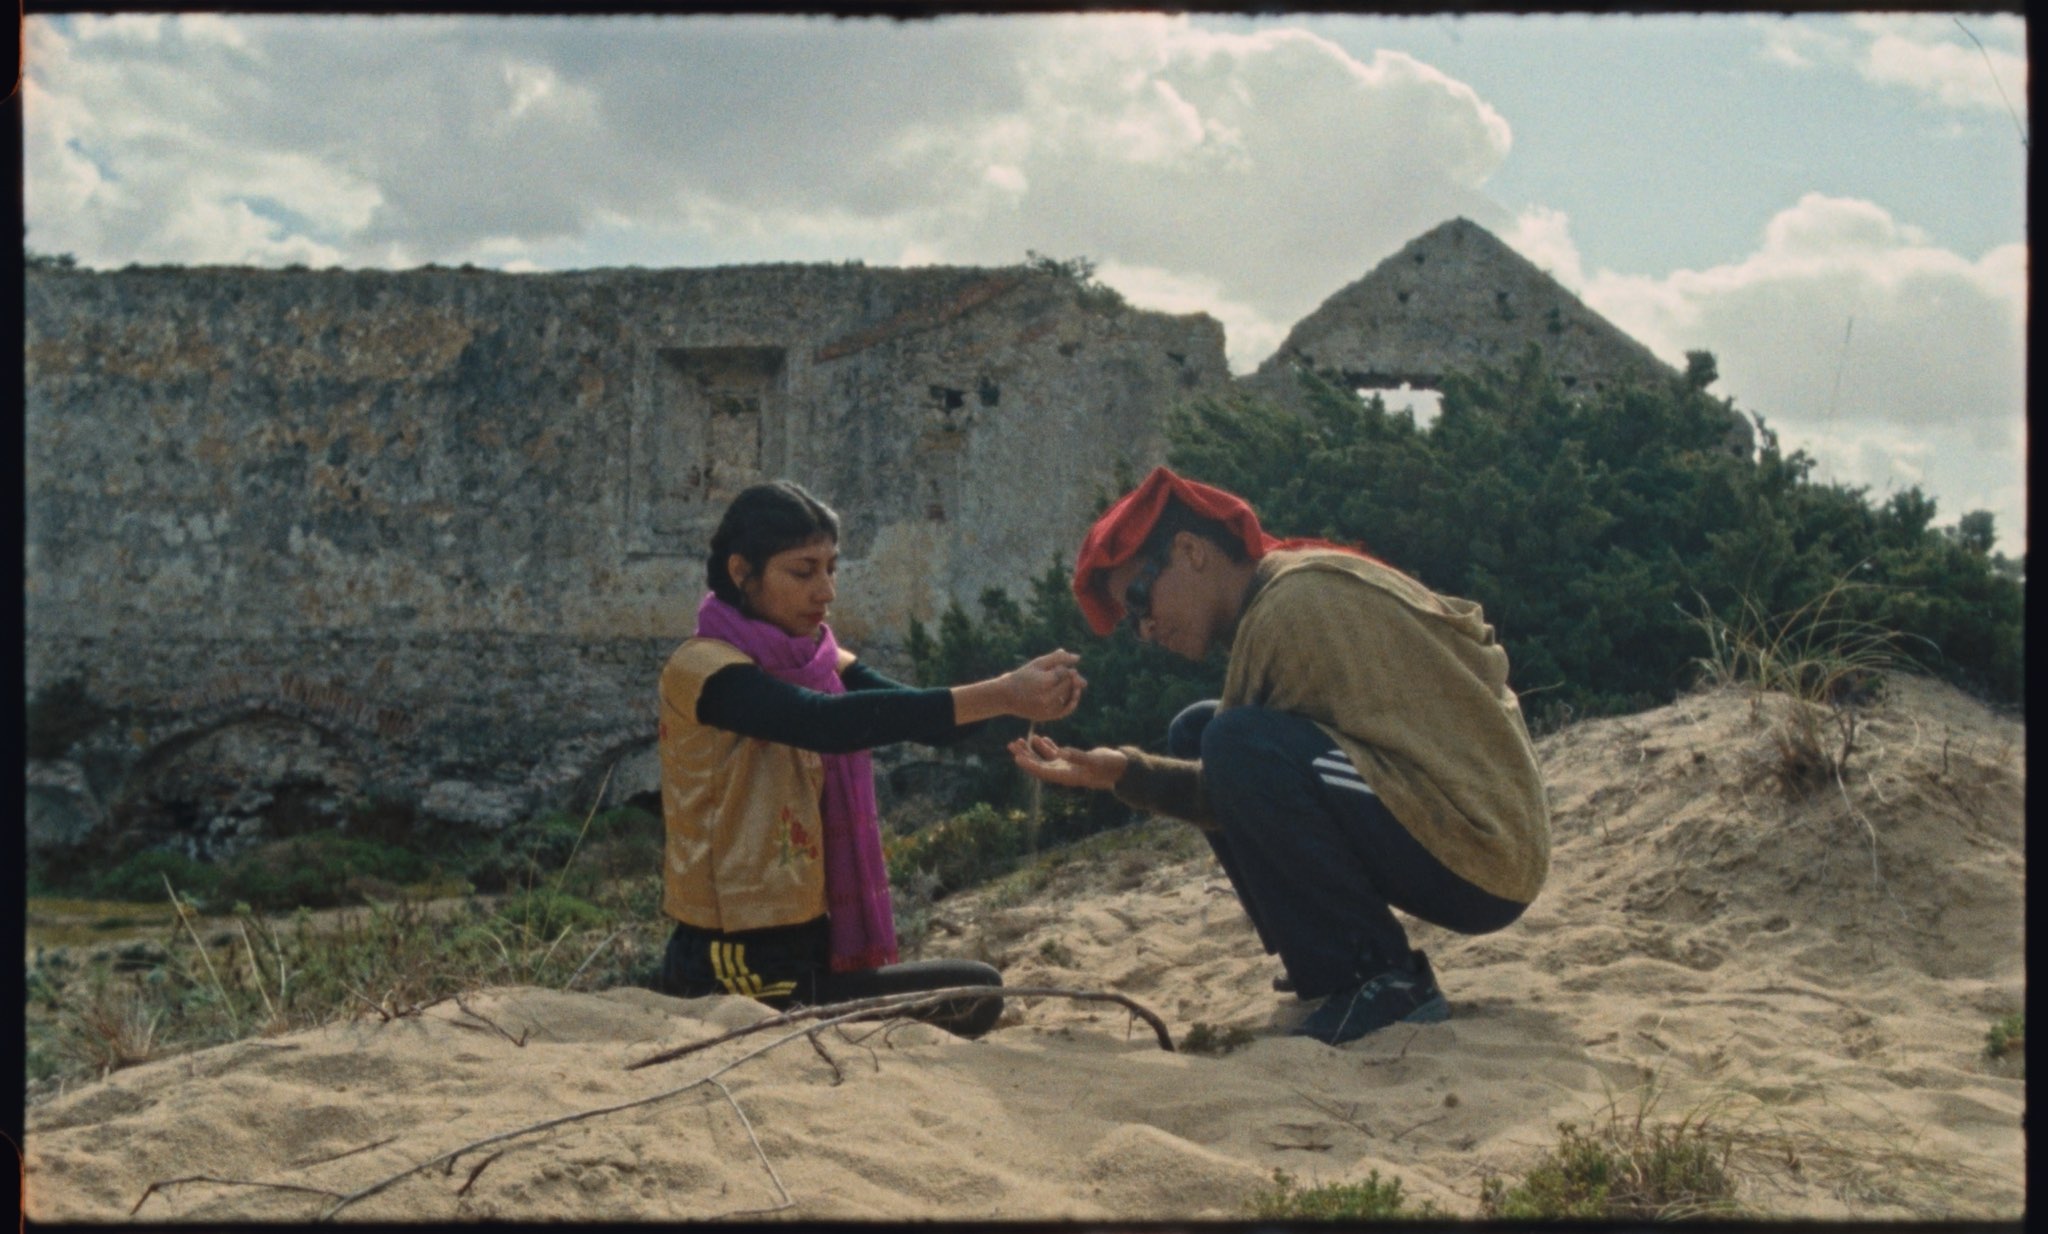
column 1397, row 996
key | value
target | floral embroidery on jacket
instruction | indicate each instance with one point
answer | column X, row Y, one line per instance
column 795, row 841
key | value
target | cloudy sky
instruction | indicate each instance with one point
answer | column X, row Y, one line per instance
column 1834, row 205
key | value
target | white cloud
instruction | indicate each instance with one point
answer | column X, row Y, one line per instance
column 1889, row 359
column 1246, row 174
column 1544, row 236
column 1952, row 74
column 1930, row 55
column 1273, row 163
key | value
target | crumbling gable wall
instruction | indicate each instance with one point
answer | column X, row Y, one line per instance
column 1451, row 300
column 432, row 533
column 1455, row 298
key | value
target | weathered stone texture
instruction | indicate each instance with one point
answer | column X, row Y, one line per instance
column 300, row 539
column 451, row 522
column 1452, row 299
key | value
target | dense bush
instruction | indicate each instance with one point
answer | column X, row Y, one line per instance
column 970, row 848
column 140, row 879
column 614, row 843
column 319, row 870
column 1595, row 531
column 1602, row 535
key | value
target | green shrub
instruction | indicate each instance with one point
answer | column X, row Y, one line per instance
column 559, row 847
column 1628, row 1173
column 546, row 912
column 320, row 870
column 2007, row 1036
column 1372, row 1200
column 1591, row 528
column 963, row 851
column 1583, row 524
column 140, row 879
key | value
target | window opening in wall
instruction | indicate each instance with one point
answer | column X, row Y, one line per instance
column 709, row 426
column 1420, row 401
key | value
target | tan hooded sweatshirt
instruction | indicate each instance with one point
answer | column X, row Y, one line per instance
column 1411, row 686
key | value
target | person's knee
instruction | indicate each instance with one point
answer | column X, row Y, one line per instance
column 1184, row 734
column 1240, row 743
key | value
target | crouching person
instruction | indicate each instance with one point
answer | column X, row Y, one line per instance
column 1366, row 754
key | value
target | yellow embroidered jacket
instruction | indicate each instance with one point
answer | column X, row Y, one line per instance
column 745, row 842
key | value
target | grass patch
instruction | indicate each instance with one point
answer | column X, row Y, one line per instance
column 1824, row 665
column 2007, row 1037
column 201, row 982
column 1374, row 1199
column 1623, row 1172
column 1206, row 1038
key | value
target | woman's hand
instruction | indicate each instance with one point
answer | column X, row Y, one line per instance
column 1047, row 688
column 1043, row 759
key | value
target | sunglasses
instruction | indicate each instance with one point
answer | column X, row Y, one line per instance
column 1138, row 593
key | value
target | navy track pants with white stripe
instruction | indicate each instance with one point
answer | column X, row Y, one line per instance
column 1317, row 859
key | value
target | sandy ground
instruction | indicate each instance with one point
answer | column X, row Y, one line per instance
column 1813, row 976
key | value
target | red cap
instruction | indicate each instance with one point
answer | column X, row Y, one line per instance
column 1120, row 532
column 1117, row 535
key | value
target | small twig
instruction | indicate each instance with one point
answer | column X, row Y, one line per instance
column 1424, row 1123
column 256, row 968
column 592, row 956
column 1381, row 1062
column 838, row 1076
column 787, row 1201
column 1349, row 1118
column 225, row 1182
column 581, row 832
column 284, row 974
column 866, row 1007
column 2021, row 128
column 186, row 921
column 313, row 1161
column 383, row 1012
column 519, row 1041
column 546, row 1123
column 550, row 953
column 471, row 1180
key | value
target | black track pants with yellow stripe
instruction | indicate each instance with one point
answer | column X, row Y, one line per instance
column 792, row 964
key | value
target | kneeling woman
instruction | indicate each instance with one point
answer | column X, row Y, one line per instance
column 774, row 870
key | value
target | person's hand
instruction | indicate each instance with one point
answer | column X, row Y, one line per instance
column 1047, row 688
column 1044, row 759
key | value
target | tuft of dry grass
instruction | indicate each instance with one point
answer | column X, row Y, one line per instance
column 114, row 1026
column 1822, row 665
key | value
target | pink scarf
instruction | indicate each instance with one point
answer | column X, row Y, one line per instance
column 863, row 925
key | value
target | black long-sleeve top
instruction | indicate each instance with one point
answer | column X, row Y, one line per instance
column 874, row 711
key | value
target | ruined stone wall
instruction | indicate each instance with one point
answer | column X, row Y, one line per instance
column 432, row 533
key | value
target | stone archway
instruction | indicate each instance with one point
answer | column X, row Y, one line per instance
column 214, row 791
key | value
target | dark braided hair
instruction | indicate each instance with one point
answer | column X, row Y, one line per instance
column 765, row 519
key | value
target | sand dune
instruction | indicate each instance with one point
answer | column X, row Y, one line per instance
column 1815, row 975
